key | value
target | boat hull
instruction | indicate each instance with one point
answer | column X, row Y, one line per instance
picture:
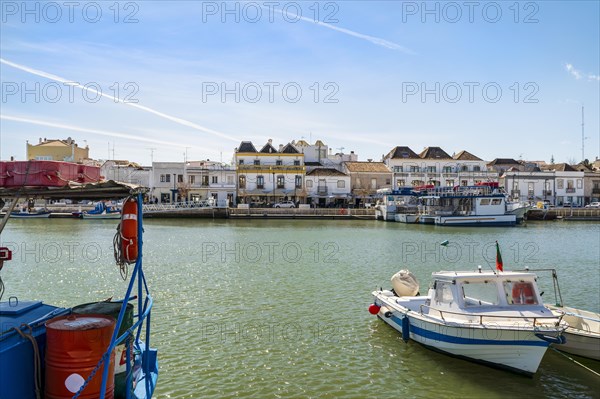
column 516, row 350
column 583, row 333
column 20, row 215
column 487, row 220
column 101, row 216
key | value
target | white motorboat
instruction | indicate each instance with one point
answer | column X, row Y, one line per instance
column 583, row 333
column 491, row 317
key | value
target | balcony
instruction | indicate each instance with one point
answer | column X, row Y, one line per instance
column 548, row 192
column 570, row 190
column 596, row 190
column 322, row 190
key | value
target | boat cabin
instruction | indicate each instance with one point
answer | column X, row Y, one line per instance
column 483, row 291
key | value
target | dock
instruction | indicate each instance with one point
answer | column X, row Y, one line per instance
column 572, row 214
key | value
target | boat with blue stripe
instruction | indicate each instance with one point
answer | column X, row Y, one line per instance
column 492, row 317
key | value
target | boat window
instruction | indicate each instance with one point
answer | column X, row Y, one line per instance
column 520, row 293
column 481, row 293
column 485, row 201
column 496, row 201
column 443, row 293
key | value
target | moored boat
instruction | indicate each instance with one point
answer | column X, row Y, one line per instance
column 492, row 317
column 95, row 355
column 102, row 211
column 583, row 333
column 25, row 214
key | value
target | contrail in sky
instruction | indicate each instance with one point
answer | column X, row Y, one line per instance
column 95, row 131
column 375, row 40
column 134, row 105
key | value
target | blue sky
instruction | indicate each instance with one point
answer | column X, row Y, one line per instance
column 499, row 79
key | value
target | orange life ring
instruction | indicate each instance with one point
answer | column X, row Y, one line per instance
column 342, row 211
column 129, row 231
column 522, row 293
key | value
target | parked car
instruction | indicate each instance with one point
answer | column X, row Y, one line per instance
column 566, row 204
column 593, row 205
column 285, row 204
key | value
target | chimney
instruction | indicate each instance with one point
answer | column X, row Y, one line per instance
column 40, row 140
column 270, row 141
column 351, row 152
column 280, row 147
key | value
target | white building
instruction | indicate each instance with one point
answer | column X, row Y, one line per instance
column 270, row 175
column 556, row 186
column 434, row 166
column 325, row 186
column 319, row 155
column 193, row 181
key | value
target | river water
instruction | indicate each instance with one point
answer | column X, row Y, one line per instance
column 278, row 308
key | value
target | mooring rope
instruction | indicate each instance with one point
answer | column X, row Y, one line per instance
column 576, row 362
column 37, row 367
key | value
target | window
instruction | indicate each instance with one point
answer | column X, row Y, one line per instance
column 257, row 162
column 450, row 183
column 560, row 184
column 45, row 158
column 431, row 169
column 485, row 201
column 242, row 181
column 341, row 184
column 496, row 201
column 400, row 183
column 397, row 169
column 168, row 178
column 579, row 183
column 296, row 163
column 464, row 183
column 464, row 168
column 476, row 168
column 280, row 181
column 520, row 293
column 241, row 162
column 278, row 162
column 215, row 179
column 480, row 293
column 298, row 181
column 192, row 179
column 388, row 181
column 309, row 184
column 260, row 181
column 570, row 184
column 205, row 180
column 179, row 178
column 162, row 178
column 447, row 169
column 373, row 183
column 229, row 180
column 414, row 169
column 443, row 292
column 530, row 187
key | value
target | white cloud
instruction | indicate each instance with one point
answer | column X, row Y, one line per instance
column 571, row 69
column 594, row 77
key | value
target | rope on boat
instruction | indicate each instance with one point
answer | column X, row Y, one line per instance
column 37, row 367
column 576, row 362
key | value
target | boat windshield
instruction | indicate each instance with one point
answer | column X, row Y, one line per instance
column 520, row 293
column 480, row 293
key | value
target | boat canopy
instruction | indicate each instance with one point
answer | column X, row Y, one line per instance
column 109, row 189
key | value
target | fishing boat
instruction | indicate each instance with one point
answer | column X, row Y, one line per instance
column 102, row 211
column 95, row 350
column 583, row 332
column 492, row 317
column 26, row 214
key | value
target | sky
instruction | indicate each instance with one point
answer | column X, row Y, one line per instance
column 176, row 80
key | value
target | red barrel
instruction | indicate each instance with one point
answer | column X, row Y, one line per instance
column 74, row 345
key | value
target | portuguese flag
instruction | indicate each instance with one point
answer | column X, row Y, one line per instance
column 499, row 265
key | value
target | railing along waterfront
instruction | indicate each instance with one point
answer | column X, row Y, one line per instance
column 292, row 212
column 179, row 206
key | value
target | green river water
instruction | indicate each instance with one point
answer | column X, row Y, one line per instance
column 278, row 308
